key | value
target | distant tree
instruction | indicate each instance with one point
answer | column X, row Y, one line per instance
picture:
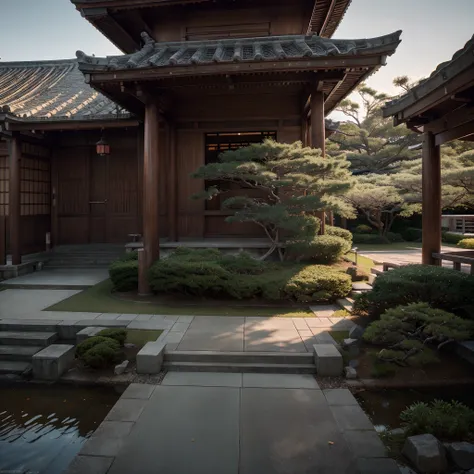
column 295, row 182
column 372, row 144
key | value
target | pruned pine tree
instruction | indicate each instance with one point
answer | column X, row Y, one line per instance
column 295, row 182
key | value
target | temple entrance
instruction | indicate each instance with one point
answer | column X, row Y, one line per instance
column 98, row 200
column 217, row 143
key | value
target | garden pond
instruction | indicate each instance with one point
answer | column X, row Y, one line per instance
column 43, row 427
column 384, row 406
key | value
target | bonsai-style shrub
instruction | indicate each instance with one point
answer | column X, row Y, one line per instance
column 124, row 275
column 466, row 244
column 241, row 277
column 442, row 288
column 363, row 229
column 339, row 232
column 99, row 352
column 411, row 334
column 118, row 334
column 445, row 420
column 292, row 182
column 322, row 249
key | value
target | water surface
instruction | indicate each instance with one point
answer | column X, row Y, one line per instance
column 42, row 427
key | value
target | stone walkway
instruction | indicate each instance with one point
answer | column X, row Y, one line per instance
column 79, row 278
column 187, row 333
column 202, row 423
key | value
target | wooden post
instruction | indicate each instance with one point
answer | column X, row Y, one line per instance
column 343, row 222
column 15, row 200
column 431, row 213
column 3, row 240
column 172, row 183
column 151, row 235
column 318, row 135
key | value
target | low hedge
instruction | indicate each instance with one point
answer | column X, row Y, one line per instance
column 339, row 232
column 466, row 244
column 451, row 238
column 99, row 352
column 377, row 239
column 363, row 229
column 442, row 288
column 324, row 249
column 225, row 276
column 124, row 275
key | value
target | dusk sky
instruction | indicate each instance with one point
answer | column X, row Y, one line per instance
column 432, row 31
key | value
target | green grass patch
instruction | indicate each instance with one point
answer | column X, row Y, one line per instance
column 365, row 263
column 339, row 336
column 140, row 337
column 100, row 299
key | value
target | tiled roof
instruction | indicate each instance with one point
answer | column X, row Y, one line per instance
column 462, row 60
column 52, row 90
column 271, row 48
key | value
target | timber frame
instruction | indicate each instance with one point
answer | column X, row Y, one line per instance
column 440, row 107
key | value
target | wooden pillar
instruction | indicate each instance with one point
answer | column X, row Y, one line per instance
column 318, row 135
column 151, row 235
column 431, row 213
column 15, row 200
column 3, row 240
column 172, row 183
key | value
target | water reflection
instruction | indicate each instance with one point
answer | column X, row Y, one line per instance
column 43, row 428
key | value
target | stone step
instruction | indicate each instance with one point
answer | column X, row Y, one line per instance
column 14, row 367
column 27, row 338
column 239, row 357
column 29, row 325
column 21, row 353
column 376, row 270
column 240, row 367
column 346, row 303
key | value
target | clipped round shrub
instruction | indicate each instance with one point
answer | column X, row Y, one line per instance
column 244, row 264
column 466, row 244
column 124, row 275
column 322, row 249
column 126, row 257
column 376, row 238
column 363, row 229
column 316, row 283
column 118, row 334
column 451, row 238
column 339, row 232
column 103, row 355
column 90, row 342
column 441, row 287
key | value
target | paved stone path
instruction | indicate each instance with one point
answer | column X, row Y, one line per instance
column 188, row 333
column 78, row 277
column 201, row 423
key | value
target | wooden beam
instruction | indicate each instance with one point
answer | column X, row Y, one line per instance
column 3, row 240
column 431, row 198
column 318, row 135
column 151, row 235
column 15, row 199
column 328, row 17
column 459, row 116
column 456, row 133
column 172, row 183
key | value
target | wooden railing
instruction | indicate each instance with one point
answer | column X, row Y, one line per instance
column 458, row 259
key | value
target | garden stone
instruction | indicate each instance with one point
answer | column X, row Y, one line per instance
column 120, row 368
column 351, row 346
column 356, row 332
column 129, row 345
column 354, row 363
column 426, row 453
column 351, row 373
column 462, row 454
column 397, row 432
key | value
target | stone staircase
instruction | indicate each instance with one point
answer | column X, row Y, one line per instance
column 84, row 256
column 20, row 342
column 254, row 362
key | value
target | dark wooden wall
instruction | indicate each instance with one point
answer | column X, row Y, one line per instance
column 97, row 199
column 237, row 19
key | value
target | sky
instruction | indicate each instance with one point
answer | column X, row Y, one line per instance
column 432, row 31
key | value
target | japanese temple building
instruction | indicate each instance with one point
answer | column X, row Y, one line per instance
column 196, row 77
column 441, row 108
